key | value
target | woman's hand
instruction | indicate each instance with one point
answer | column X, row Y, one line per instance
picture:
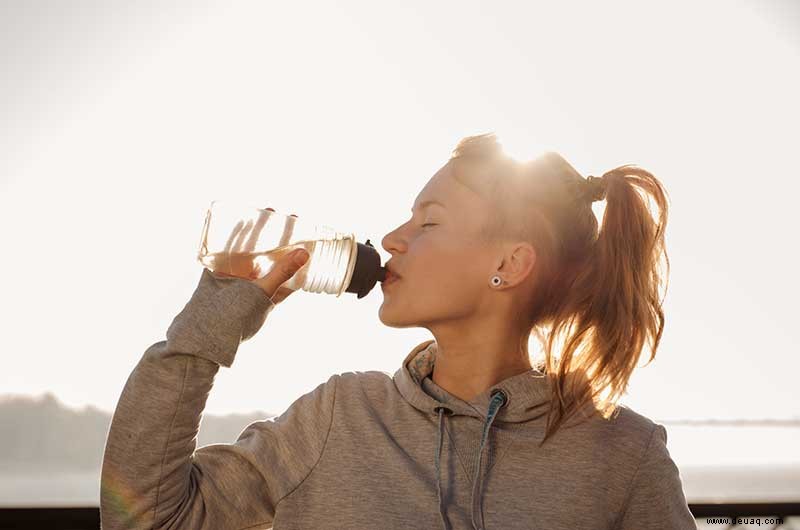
column 237, row 259
column 282, row 271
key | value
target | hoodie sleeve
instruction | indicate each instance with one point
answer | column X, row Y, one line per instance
column 152, row 476
column 656, row 499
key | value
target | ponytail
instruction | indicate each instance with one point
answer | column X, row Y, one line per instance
column 613, row 306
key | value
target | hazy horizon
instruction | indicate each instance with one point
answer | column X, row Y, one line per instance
column 789, row 420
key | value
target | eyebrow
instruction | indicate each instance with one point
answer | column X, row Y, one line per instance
column 423, row 204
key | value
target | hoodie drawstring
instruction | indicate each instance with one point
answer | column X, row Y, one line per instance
column 438, row 477
column 498, row 400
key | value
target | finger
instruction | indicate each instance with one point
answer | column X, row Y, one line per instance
column 283, row 270
column 250, row 244
column 288, row 230
column 238, row 244
column 234, row 234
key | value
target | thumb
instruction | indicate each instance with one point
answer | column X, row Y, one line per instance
column 284, row 269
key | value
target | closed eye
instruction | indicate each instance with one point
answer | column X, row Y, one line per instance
column 429, row 224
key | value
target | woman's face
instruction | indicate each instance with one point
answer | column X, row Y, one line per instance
column 444, row 270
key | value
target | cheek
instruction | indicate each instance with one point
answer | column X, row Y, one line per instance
column 446, row 266
column 431, row 256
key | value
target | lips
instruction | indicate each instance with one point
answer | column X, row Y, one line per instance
column 390, row 278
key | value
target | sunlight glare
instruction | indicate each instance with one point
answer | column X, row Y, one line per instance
column 520, row 146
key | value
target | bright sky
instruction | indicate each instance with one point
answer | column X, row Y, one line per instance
column 120, row 123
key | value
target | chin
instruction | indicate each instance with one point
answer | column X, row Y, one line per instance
column 395, row 319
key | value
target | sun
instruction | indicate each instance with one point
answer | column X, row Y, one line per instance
column 519, row 145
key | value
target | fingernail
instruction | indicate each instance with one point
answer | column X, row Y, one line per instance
column 300, row 256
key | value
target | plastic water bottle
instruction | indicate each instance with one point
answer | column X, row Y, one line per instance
column 244, row 241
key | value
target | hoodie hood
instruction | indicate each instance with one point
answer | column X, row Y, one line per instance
column 519, row 398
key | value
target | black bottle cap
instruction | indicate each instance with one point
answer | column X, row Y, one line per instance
column 367, row 271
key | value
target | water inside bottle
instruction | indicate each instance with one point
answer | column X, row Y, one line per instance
column 255, row 265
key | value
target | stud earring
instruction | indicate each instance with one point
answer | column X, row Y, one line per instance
column 496, row 280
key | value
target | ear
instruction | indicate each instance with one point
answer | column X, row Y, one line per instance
column 518, row 263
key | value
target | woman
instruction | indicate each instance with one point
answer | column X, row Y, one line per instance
column 468, row 433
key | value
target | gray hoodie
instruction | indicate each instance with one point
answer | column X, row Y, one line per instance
column 366, row 450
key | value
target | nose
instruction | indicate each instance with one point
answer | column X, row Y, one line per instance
column 386, row 243
column 391, row 243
